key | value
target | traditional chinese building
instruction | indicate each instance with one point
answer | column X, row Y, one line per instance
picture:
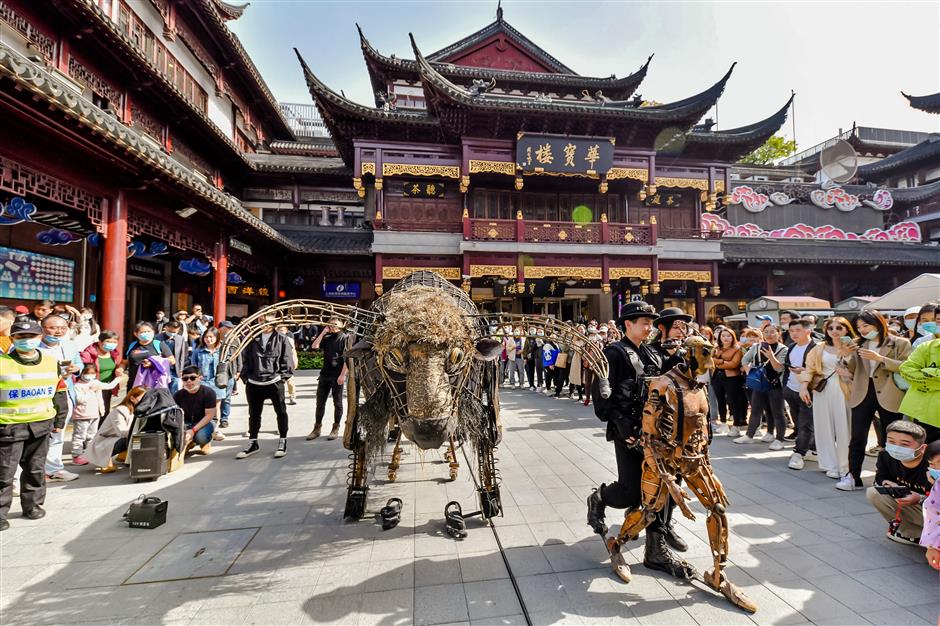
column 129, row 129
column 535, row 188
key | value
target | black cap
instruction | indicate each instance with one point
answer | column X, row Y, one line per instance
column 672, row 314
column 25, row 326
column 636, row 310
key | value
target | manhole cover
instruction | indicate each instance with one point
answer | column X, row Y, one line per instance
column 194, row 555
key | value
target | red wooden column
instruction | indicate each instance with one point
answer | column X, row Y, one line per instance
column 220, row 281
column 114, row 278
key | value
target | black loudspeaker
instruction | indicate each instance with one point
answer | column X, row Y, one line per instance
column 148, row 455
column 146, row 512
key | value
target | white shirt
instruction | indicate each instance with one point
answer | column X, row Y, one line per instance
column 873, row 346
column 797, row 356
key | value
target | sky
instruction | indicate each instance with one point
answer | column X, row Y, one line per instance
column 846, row 61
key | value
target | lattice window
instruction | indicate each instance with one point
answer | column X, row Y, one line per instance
column 146, row 122
column 45, row 45
column 23, row 180
column 98, row 85
column 138, row 224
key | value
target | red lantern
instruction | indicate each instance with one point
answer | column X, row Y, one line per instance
column 281, row 293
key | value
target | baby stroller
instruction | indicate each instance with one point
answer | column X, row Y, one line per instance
column 156, row 431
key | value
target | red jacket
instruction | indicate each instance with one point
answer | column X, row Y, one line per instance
column 91, row 353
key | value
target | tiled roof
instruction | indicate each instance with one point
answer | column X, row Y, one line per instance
column 929, row 103
column 730, row 145
column 925, row 152
column 828, row 252
column 316, row 240
column 298, row 164
column 501, row 26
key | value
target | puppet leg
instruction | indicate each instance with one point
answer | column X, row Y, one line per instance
column 451, row 457
column 710, row 493
column 654, row 494
column 396, row 459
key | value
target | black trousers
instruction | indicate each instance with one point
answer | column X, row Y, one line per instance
column 626, row 492
column 256, row 395
column 530, row 373
column 771, row 403
column 729, row 390
column 802, row 415
column 326, row 386
column 25, row 445
column 561, row 377
column 862, row 416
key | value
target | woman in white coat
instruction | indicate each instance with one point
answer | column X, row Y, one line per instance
column 831, row 413
column 114, row 431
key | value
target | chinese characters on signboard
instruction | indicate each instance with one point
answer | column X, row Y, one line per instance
column 423, row 189
column 341, row 291
column 248, row 290
column 671, row 199
column 561, row 154
column 533, row 288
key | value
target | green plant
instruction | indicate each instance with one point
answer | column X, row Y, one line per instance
column 310, row 360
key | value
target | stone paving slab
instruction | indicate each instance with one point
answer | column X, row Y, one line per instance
column 808, row 554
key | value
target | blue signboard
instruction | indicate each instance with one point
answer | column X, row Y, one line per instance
column 33, row 276
column 341, row 291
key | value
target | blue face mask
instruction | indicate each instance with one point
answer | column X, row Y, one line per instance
column 933, row 473
column 110, row 346
column 928, row 328
column 871, row 335
column 52, row 340
column 26, row 345
column 900, row 453
column 145, row 336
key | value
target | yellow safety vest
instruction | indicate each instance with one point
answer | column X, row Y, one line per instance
column 26, row 391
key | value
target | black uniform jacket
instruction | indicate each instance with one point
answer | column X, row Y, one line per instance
column 623, row 410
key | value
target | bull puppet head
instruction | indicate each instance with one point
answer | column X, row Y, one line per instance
column 699, row 355
column 425, row 348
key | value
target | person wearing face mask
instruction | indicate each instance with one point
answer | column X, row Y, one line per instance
column 530, row 351
column 517, row 363
column 930, row 538
column 160, row 321
column 206, row 360
column 873, row 390
column 146, row 346
column 922, row 400
column 33, row 402
column 902, row 464
column 89, row 411
column 7, row 317
column 106, row 358
column 926, row 323
column 55, row 341
column 764, row 363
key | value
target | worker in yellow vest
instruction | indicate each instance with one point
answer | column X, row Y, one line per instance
column 33, row 403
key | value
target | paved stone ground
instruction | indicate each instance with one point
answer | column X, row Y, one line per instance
column 804, row 551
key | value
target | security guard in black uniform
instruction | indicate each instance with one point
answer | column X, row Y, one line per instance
column 631, row 360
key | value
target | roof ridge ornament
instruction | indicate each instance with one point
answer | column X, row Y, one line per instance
column 499, row 10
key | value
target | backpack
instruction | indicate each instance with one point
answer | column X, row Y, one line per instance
column 631, row 357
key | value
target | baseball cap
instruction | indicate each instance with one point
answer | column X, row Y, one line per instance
column 25, row 327
column 226, row 324
column 914, row 310
column 765, row 318
column 22, row 310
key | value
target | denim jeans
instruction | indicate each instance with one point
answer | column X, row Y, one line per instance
column 54, row 455
column 204, row 434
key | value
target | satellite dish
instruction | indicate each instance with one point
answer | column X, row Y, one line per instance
column 839, row 162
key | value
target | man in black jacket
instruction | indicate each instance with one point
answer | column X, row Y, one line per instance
column 631, row 359
column 266, row 365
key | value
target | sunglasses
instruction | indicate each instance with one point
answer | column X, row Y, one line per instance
column 190, row 378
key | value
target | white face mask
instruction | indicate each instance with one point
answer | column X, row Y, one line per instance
column 909, row 323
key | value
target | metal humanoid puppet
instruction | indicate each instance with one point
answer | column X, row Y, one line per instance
column 425, row 367
column 674, row 439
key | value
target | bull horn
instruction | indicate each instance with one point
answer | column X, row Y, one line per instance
column 359, row 349
column 604, row 387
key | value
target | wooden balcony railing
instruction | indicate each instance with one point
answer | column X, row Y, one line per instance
column 539, row 231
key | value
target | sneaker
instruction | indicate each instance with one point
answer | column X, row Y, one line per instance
column 79, row 460
column 834, row 474
column 223, row 424
column 811, row 456
column 791, row 436
column 252, row 448
column 847, row 483
column 718, row 428
column 37, row 512
column 796, row 461
column 206, row 449
column 775, row 445
column 291, row 401
column 333, row 433
column 314, row 433
column 62, row 476
column 531, row 388
column 281, row 448
column 217, row 435
column 902, row 539
column 745, row 439
column 767, row 438
column 734, row 431
column 873, row 451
